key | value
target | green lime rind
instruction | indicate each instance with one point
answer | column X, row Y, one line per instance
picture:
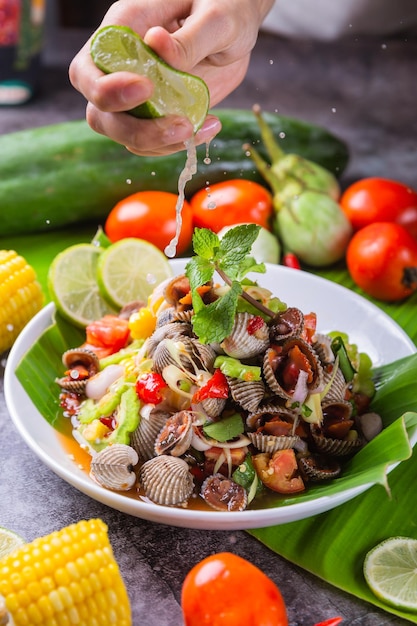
column 9, row 541
column 129, row 270
column 118, row 48
column 72, row 285
column 390, row 570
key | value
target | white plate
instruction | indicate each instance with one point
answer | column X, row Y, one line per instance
column 337, row 308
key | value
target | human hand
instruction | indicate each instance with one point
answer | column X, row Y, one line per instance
column 212, row 39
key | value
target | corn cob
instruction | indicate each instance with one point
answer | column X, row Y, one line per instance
column 67, row 577
column 20, row 296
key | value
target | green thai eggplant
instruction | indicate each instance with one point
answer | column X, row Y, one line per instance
column 307, row 219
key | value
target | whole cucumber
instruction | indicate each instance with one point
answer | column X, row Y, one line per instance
column 65, row 173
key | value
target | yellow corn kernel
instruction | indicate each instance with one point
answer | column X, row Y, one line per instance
column 74, row 579
column 142, row 323
column 20, row 296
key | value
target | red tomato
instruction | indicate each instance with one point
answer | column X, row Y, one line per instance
column 333, row 621
column 279, row 472
column 109, row 334
column 379, row 200
column 232, row 202
column 150, row 215
column 226, row 590
column 382, row 260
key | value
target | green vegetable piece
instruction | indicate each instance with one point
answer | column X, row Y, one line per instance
column 246, row 476
column 121, row 355
column 226, row 429
column 339, row 349
column 127, row 417
column 235, row 369
column 91, row 410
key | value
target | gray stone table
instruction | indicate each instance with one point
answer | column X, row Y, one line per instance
column 365, row 91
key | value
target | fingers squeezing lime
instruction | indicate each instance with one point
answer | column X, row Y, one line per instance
column 118, row 48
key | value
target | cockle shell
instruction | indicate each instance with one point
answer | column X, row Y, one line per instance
column 170, row 314
column 316, row 468
column 336, row 383
column 223, row 494
column 78, row 358
column 176, row 434
column 166, row 480
column 335, row 447
column 175, row 351
column 272, row 443
column 246, row 393
column 273, row 376
column 213, row 407
column 267, row 411
column 113, row 467
column 322, row 346
column 242, row 343
column 172, row 330
column 287, row 324
column 144, row 437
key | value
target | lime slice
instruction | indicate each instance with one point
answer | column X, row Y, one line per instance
column 118, row 48
column 390, row 570
column 72, row 283
column 9, row 541
column 130, row 269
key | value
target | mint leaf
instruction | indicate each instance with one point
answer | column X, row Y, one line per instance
column 225, row 429
column 199, row 271
column 239, row 240
column 213, row 322
column 205, row 243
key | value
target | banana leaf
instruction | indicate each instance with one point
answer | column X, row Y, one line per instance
column 331, row 545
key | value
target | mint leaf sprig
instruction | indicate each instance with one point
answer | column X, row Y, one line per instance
column 230, row 258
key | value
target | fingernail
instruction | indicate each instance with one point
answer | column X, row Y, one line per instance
column 209, row 129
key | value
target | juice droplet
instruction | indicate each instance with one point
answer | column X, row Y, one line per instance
column 151, row 279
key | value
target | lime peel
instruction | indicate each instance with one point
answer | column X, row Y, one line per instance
column 390, row 570
column 9, row 541
column 118, row 48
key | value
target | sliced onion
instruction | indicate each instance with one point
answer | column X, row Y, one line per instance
column 98, row 384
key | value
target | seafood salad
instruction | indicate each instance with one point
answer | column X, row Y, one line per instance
column 216, row 393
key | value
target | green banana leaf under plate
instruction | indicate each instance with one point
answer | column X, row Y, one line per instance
column 331, row 545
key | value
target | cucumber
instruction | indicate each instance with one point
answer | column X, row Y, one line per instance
column 65, row 173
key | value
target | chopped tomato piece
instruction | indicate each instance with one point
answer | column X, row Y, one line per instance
column 149, row 388
column 216, row 387
column 111, row 332
column 279, row 472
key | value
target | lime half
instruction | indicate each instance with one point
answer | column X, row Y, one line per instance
column 9, row 541
column 390, row 570
column 130, row 269
column 119, row 48
column 72, row 283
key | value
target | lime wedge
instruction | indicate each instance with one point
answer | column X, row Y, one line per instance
column 9, row 541
column 72, row 283
column 130, row 269
column 119, row 48
column 390, row 570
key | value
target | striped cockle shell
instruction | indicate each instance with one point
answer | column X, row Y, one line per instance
column 242, row 343
column 144, row 437
column 223, row 493
column 322, row 346
column 166, row 480
column 317, row 468
column 213, row 407
column 288, row 323
column 172, row 330
column 248, row 394
column 272, row 443
column 113, row 467
column 175, row 436
column 272, row 377
column 335, row 447
column 74, row 360
column 336, row 383
column 268, row 410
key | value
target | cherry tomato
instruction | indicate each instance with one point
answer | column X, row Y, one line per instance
column 290, row 260
column 107, row 335
column 380, row 200
column 333, row 621
column 279, row 472
column 150, row 215
column 226, row 590
column 232, row 202
column 382, row 260
column 149, row 387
